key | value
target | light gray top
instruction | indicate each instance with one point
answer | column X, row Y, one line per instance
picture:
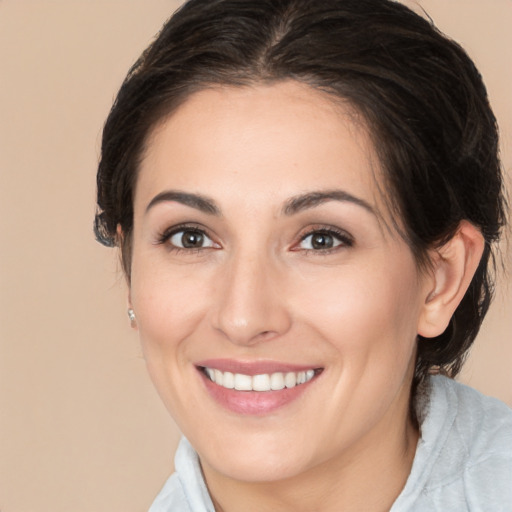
column 463, row 461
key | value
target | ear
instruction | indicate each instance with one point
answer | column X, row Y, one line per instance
column 453, row 267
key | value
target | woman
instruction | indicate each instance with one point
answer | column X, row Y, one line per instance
column 306, row 196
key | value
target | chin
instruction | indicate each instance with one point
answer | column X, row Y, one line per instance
column 256, row 458
column 257, row 469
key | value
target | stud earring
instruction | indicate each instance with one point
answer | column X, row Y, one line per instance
column 131, row 316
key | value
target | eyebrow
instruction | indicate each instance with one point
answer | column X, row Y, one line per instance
column 199, row 202
column 312, row 199
column 292, row 206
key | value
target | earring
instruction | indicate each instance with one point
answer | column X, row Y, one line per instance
column 131, row 316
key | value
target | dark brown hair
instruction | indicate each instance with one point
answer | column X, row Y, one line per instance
column 419, row 93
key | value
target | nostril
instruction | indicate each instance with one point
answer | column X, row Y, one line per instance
column 266, row 334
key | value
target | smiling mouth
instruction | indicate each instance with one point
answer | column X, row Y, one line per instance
column 263, row 382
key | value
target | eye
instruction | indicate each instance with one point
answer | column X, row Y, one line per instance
column 190, row 239
column 324, row 240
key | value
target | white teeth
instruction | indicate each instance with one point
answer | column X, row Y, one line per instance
column 218, row 376
column 263, row 382
column 228, row 380
column 242, row 382
column 276, row 381
column 290, row 379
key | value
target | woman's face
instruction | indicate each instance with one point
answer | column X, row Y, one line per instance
column 262, row 255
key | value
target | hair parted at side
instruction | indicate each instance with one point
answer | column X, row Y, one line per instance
column 418, row 92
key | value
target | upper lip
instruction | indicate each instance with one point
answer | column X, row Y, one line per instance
column 254, row 367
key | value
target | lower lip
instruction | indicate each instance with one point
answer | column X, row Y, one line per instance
column 254, row 402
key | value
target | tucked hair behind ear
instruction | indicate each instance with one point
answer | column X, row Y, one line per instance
column 418, row 92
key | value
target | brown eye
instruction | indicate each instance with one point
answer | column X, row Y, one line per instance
column 324, row 240
column 190, row 239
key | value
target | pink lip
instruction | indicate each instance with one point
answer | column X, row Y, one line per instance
column 252, row 402
column 253, row 367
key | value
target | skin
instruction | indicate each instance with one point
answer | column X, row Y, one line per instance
column 257, row 290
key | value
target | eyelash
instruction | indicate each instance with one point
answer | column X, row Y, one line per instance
column 341, row 236
column 165, row 237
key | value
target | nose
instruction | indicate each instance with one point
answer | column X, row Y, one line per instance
column 251, row 301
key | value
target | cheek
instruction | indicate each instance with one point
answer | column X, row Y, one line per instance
column 366, row 314
column 169, row 306
column 169, row 310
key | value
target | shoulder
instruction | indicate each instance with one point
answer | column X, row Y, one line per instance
column 476, row 459
column 482, row 426
column 464, row 457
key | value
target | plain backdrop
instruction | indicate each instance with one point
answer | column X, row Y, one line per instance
column 81, row 429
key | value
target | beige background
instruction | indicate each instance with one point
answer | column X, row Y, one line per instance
column 80, row 427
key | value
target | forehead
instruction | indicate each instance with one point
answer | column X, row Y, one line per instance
column 266, row 140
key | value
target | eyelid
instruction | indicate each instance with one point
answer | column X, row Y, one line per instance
column 346, row 239
column 207, row 241
column 164, row 236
